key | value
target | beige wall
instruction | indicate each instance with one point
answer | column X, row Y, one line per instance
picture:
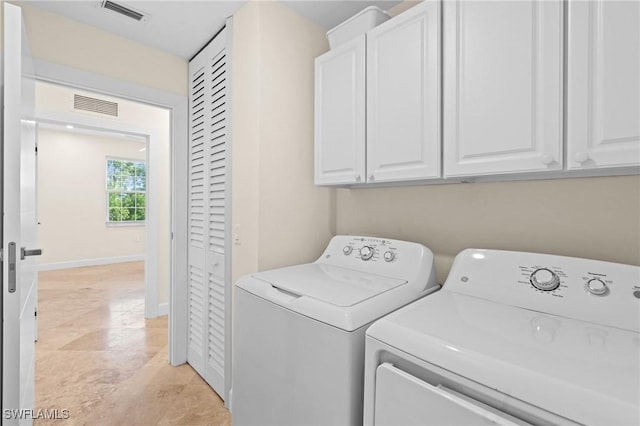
column 280, row 217
column 72, row 197
column 245, row 142
column 597, row 218
column 405, row 5
column 55, row 101
column 63, row 41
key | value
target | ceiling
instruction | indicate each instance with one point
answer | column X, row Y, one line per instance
column 183, row 27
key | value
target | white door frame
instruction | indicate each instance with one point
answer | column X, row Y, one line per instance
column 67, row 76
column 151, row 307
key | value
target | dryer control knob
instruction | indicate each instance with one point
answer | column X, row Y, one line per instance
column 544, row 279
column 389, row 256
column 596, row 286
column 366, row 253
column 347, row 250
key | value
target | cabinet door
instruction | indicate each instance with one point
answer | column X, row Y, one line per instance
column 502, row 86
column 403, row 96
column 340, row 114
column 603, row 105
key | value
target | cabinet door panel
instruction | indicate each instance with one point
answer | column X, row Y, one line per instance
column 603, row 105
column 340, row 114
column 403, row 96
column 502, row 87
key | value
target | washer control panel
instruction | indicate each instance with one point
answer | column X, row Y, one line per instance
column 379, row 255
column 589, row 290
column 372, row 249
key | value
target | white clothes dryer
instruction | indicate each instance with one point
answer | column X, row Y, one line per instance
column 298, row 340
column 512, row 338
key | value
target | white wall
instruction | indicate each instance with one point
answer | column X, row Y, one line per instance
column 72, row 198
column 280, row 217
column 55, row 102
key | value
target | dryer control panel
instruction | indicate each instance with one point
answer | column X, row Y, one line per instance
column 388, row 257
column 588, row 290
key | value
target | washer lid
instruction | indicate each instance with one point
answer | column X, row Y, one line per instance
column 340, row 297
column 327, row 283
column 585, row 372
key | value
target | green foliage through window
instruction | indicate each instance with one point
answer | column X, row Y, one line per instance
column 126, row 190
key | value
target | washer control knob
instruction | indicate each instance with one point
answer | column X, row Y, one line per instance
column 347, row 250
column 596, row 286
column 366, row 253
column 389, row 256
column 544, row 279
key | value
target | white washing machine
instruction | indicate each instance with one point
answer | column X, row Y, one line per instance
column 299, row 332
column 512, row 338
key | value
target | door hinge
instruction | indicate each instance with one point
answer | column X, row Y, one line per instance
column 1, row 255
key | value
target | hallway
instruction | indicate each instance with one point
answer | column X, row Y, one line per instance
column 98, row 358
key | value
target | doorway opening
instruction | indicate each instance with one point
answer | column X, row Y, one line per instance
column 104, row 189
column 125, row 216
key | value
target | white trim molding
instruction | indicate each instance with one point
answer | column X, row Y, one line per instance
column 163, row 309
column 89, row 262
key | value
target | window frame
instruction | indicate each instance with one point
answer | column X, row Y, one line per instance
column 108, row 192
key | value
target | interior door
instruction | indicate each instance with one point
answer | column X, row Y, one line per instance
column 19, row 271
column 208, row 348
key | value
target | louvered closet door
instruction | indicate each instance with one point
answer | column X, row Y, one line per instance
column 208, row 218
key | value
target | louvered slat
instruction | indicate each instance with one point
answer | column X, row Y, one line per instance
column 217, row 155
column 216, row 340
column 196, row 307
column 197, row 160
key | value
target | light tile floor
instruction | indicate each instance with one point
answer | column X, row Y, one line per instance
column 98, row 357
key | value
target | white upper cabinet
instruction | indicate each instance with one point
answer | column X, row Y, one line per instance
column 503, row 73
column 603, row 104
column 340, row 115
column 403, row 96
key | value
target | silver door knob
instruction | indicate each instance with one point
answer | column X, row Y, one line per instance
column 24, row 252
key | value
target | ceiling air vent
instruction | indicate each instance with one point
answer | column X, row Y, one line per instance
column 86, row 103
column 123, row 10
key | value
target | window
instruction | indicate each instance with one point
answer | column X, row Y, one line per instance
column 126, row 190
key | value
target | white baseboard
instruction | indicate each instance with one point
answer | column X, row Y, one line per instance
column 163, row 309
column 160, row 310
column 89, row 262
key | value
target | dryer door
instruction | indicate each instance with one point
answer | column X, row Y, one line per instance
column 404, row 399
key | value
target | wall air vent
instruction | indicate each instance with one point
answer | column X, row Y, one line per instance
column 123, row 10
column 86, row 103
